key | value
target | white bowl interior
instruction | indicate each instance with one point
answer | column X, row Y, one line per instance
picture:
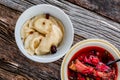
column 56, row 12
column 90, row 42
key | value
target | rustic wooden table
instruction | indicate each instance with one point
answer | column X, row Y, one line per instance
column 87, row 24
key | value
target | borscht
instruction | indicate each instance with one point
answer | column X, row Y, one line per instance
column 89, row 63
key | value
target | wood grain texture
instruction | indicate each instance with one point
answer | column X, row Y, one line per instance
column 107, row 8
column 86, row 25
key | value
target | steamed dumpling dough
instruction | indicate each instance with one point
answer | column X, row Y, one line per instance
column 53, row 38
column 40, row 34
column 32, row 42
column 43, row 25
column 25, row 31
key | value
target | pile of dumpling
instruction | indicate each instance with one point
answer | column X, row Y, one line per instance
column 40, row 33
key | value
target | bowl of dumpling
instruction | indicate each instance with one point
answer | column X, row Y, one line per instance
column 44, row 33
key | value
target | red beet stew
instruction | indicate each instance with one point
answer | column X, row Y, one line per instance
column 90, row 64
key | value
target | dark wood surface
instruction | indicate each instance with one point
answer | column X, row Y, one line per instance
column 15, row 66
column 107, row 8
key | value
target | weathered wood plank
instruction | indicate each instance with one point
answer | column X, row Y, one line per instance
column 6, row 75
column 107, row 8
column 86, row 25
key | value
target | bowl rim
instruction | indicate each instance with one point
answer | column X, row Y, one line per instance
column 21, row 48
column 84, row 42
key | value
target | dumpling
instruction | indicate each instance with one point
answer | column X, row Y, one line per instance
column 25, row 31
column 40, row 33
column 32, row 21
column 58, row 23
column 43, row 25
column 53, row 38
column 32, row 42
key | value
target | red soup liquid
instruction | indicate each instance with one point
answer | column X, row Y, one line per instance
column 101, row 54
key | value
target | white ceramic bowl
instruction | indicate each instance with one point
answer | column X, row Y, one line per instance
column 85, row 43
column 56, row 12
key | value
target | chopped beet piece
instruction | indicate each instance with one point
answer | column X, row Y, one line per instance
column 94, row 52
